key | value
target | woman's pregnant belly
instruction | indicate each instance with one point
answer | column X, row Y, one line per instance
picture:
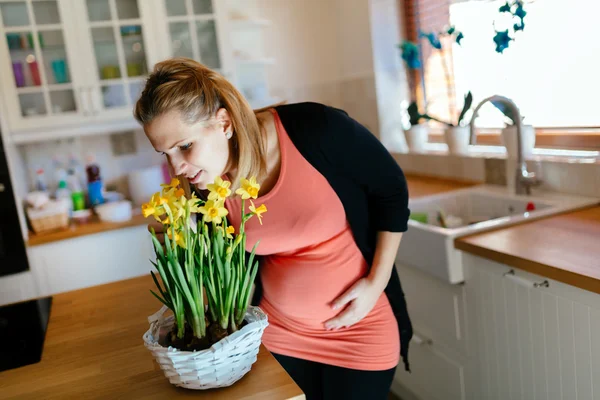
column 301, row 286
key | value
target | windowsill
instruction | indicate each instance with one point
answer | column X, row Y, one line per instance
column 548, row 138
column 539, row 154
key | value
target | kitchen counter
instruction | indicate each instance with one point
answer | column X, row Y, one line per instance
column 94, row 349
column 565, row 248
column 418, row 187
column 89, row 228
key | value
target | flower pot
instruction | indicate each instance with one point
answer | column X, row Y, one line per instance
column 457, row 139
column 509, row 140
column 223, row 364
column 417, row 137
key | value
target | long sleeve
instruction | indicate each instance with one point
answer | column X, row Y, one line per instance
column 357, row 153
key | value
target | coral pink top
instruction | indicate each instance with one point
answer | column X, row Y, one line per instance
column 311, row 258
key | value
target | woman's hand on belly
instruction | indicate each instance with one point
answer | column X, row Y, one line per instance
column 359, row 301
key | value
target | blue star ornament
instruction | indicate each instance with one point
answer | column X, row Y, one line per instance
column 505, row 8
column 434, row 41
column 410, row 54
column 520, row 11
column 502, row 40
column 459, row 37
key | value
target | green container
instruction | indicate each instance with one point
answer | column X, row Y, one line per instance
column 419, row 217
column 78, row 201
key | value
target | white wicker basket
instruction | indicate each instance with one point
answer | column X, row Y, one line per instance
column 222, row 365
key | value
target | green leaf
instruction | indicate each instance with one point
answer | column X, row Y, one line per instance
column 163, row 301
column 467, row 105
column 162, row 293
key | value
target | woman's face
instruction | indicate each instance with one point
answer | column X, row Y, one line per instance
column 198, row 151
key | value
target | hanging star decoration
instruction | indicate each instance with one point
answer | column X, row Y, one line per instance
column 410, row 54
column 433, row 39
column 502, row 39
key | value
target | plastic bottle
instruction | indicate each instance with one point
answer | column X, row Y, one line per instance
column 60, row 174
column 95, row 186
column 64, row 194
column 40, row 180
column 77, row 195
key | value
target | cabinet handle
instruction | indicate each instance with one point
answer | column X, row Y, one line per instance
column 524, row 282
column 421, row 340
column 2, row 187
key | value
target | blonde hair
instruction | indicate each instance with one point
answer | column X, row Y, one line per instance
column 198, row 92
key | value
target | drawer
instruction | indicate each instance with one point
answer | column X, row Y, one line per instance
column 436, row 308
column 434, row 375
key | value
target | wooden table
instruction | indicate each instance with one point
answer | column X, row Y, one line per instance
column 94, row 350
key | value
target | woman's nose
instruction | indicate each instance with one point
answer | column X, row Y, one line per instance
column 177, row 164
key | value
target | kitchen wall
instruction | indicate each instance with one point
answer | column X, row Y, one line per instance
column 323, row 53
column 117, row 155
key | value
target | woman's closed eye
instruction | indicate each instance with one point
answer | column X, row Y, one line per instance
column 185, row 147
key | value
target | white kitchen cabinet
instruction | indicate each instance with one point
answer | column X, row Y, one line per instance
column 195, row 29
column 533, row 342
column 441, row 349
column 91, row 260
column 93, row 56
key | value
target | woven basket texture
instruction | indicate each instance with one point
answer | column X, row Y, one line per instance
column 222, row 365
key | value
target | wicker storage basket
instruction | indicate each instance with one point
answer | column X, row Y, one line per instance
column 51, row 217
column 222, row 365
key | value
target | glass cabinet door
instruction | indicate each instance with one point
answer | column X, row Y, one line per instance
column 40, row 67
column 193, row 31
column 120, row 60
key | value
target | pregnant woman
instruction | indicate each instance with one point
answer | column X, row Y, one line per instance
column 338, row 204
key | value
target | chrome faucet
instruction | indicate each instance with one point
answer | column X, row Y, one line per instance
column 524, row 179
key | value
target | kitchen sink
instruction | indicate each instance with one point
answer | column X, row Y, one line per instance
column 437, row 220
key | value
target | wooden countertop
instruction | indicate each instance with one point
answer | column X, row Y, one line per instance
column 94, row 350
column 418, row 186
column 89, row 228
column 565, row 248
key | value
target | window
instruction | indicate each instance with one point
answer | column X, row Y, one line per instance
column 550, row 70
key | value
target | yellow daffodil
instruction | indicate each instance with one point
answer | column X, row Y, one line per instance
column 174, row 183
column 219, row 190
column 148, row 209
column 258, row 211
column 213, row 211
column 230, row 231
column 249, row 189
column 179, row 238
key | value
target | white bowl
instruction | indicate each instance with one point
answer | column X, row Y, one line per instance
column 117, row 211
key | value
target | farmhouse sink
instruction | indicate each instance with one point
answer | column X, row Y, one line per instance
column 429, row 242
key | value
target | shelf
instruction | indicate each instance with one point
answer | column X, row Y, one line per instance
column 30, row 90
column 43, row 49
column 40, row 89
column 76, row 130
column 60, row 86
column 188, row 18
column 29, row 28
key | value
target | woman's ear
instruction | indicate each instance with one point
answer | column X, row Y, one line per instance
column 224, row 121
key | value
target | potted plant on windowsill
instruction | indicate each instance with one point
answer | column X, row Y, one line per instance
column 456, row 134
column 205, row 279
column 417, row 133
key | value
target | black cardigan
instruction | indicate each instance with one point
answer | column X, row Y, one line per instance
column 367, row 180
